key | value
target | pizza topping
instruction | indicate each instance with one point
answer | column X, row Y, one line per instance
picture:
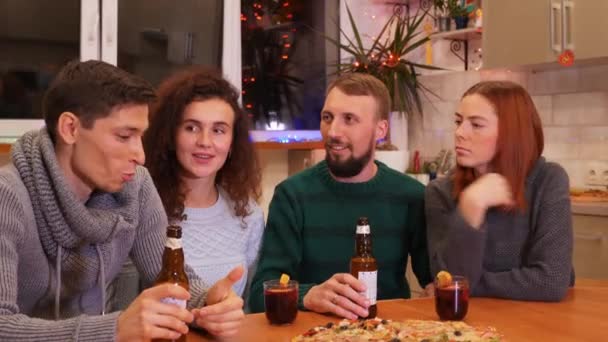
column 329, row 325
column 311, row 332
column 457, row 333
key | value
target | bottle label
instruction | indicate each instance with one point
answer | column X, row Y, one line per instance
column 177, row 302
column 370, row 279
column 173, row 243
column 363, row 229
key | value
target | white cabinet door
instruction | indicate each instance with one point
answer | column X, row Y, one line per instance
column 584, row 27
column 590, row 257
column 521, row 32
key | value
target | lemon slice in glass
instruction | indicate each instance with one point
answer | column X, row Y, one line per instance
column 444, row 278
column 284, row 280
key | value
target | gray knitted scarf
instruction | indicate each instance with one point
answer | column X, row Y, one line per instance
column 64, row 222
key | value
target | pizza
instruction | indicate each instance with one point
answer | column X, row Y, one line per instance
column 377, row 329
column 589, row 195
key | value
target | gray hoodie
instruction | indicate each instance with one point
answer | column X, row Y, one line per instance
column 57, row 254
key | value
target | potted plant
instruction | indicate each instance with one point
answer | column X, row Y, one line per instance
column 443, row 20
column 459, row 12
column 387, row 60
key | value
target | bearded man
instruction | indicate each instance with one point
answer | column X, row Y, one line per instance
column 310, row 232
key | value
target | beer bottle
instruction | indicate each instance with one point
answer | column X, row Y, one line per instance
column 363, row 265
column 173, row 268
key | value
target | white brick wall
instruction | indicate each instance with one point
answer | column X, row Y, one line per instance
column 572, row 103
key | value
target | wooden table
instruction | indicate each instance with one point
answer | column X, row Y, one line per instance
column 582, row 316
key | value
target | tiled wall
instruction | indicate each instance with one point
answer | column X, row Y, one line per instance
column 573, row 105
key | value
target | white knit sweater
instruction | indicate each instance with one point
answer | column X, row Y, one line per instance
column 215, row 240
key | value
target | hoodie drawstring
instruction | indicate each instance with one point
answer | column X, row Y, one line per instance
column 58, row 287
column 102, row 285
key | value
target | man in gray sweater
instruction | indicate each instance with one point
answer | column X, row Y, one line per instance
column 74, row 205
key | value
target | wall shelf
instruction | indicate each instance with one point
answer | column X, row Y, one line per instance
column 304, row 145
column 459, row 40
column 462, row 34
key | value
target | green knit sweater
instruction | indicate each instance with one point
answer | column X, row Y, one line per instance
column 310, row 233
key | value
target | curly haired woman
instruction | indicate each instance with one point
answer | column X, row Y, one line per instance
column 207, row 173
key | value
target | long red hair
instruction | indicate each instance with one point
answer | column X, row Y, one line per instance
column 520, row 139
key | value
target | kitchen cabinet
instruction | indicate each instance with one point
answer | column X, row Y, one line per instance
column 590, row 257
column 524, row 32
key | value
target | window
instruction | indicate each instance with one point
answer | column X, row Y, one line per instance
column 285, row 60
column 36, row 39
column 157, row 37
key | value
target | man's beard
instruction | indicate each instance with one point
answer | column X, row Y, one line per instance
column 349, row 167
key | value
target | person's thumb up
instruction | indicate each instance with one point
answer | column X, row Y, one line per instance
column 223, row 288
column 223, row 313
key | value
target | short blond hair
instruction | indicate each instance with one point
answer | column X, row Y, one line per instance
column 360, row 84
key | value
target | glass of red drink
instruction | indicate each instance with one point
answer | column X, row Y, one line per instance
column 281, row 301
column 452, row 300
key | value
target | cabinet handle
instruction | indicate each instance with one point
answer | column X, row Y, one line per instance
column 556, row 46
column 566, row 24
column 599, row 237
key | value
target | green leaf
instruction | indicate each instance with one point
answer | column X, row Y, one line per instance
column 401, row 79
column 354, row 27
column 377, row 40
column 415, row 45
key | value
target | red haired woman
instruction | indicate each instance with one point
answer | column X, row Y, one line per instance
column 502, row 217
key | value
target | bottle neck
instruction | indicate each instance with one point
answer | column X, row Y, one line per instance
column 363, row 244
column 173, row 256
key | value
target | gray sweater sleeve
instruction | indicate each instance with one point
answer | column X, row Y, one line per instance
column 545, row 268
column 149, row 245
column 16, row 326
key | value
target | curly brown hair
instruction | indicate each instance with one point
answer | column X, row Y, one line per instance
column 240, row 176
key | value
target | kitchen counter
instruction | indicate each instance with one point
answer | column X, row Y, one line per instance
column 590, row 208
